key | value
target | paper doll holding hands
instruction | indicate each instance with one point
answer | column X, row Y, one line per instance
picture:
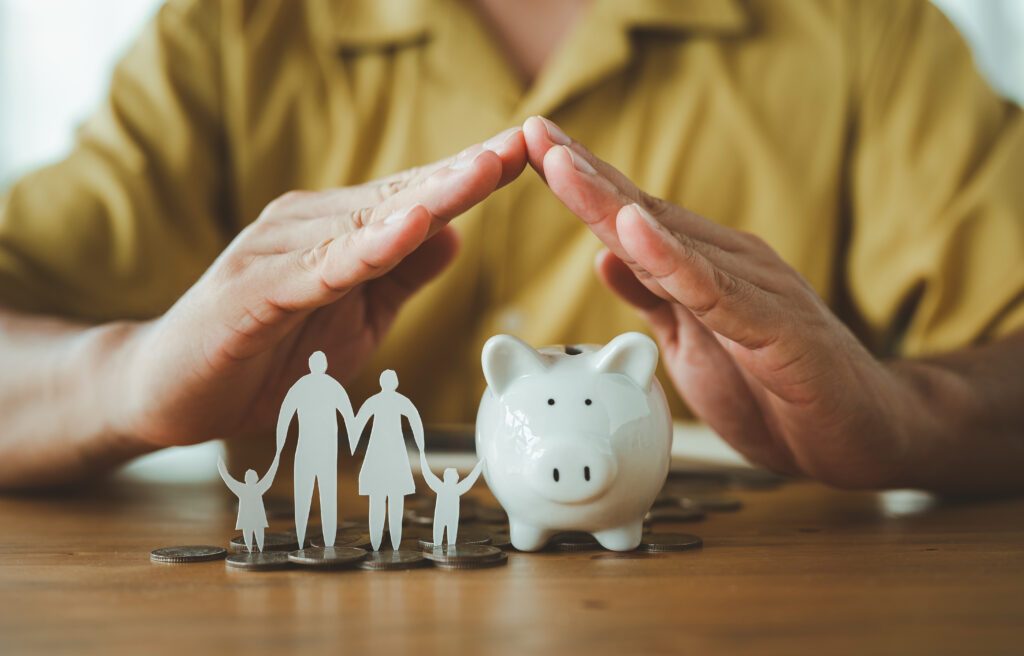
column 448, row 491
column 252, row 516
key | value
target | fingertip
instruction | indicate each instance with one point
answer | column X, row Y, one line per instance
column 537, row 142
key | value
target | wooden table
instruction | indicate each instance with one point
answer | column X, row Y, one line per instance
column 800, row 569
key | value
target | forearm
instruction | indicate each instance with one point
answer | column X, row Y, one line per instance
column 965, row 419
column 60, row 388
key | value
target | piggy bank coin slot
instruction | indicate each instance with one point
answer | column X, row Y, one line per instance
column 586, row 473
column 572, row 350
column 556, row 474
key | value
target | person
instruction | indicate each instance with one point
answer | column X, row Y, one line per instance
column 252, row 516
column 317, row 399
column 386, row 476
column 815, row 208
column 448, row 491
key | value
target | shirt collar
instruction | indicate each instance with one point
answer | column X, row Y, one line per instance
column 599, row 46
column 381, row 23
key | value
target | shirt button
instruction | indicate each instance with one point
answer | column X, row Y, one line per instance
column 511, row 320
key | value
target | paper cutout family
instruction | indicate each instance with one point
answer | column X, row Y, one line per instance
column 385, row 477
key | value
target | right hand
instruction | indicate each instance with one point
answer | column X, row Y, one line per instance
column 321, row 270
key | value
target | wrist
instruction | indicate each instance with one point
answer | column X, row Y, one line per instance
column 110, row 352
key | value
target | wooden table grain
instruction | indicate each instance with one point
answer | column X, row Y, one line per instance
column 800, row 569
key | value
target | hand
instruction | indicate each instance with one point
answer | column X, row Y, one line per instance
column 324, row 270
column 746, row 340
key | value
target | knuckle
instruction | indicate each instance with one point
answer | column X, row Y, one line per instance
column 360, row 218
column 656, row 206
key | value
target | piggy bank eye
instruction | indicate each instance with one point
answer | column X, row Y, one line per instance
column 588, row 401
column 551, row 402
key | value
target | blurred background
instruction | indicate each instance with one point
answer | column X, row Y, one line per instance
column 56, row 57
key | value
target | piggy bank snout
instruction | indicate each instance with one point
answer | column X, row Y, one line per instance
column 572, row 472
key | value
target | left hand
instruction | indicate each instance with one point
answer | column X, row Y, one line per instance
column 748, row 343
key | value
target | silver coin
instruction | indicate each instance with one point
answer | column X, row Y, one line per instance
column 464, row 537
column 345, row 537
column 271, row 542
column 451, row 555
column 327, row 557
column 673, row 514
column 715, row 502
column 574, row 541
column 257, row 561
column 194, row 553
column 669, row 542
column 389, row 560
column 473, row 563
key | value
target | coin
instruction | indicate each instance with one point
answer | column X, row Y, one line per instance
column 574, row 541
column 669, row 542
column 401, row 559
column 346, row 537
column 464, row 537
column 464, row 555
column 475, row 563
column 673, row 514
column 195, row 553
column 715, row 502
column 327, row 557
column 257, row 561
column 501, row 540
column 271, row 542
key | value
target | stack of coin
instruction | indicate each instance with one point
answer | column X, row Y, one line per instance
column 327, row 557
column 258, row 561
column 669, row 542
column 271, row 542
column 463, row 537
column 466, row 556
column 393, row 560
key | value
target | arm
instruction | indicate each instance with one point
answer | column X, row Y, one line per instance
column 344, row 406
column 416, row 424
column 268, row 479
column 355, row 430
column 232, row 484
column 761, row 358
column 433, row 482
column 284, row 417
column 467, row 483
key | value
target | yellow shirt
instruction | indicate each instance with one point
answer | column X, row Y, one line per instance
column 855, row 137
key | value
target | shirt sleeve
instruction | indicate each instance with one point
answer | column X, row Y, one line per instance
column 936, row 188
column 137, row 211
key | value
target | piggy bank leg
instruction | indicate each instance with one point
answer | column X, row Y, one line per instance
column 623, row 538
column 525, row 537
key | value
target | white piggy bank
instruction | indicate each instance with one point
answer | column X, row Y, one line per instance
column 574, row 438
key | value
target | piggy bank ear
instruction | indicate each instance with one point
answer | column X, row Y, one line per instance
column 506, row 359
column 631, row 354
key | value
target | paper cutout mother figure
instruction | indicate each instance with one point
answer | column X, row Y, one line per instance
column 386, row 476
column 316, row 398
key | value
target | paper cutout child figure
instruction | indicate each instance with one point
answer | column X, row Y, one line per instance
column 252, row 517
column 386, row 476
column 317, row 398
column 448, row 491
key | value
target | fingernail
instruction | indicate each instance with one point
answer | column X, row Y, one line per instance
column 647, row 216
column 580, row 162
column 555, row 133
column 496, row 142
column 462, row 161
column 397, row 217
